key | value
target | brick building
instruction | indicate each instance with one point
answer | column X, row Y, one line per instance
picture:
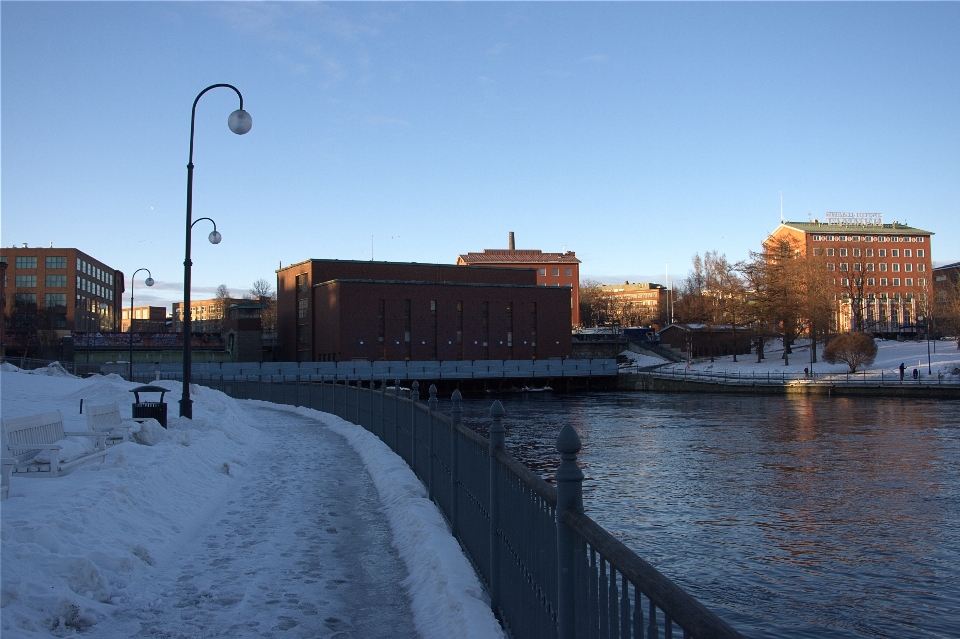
column 206, row 316
column 59, row 290
column 553, row 269
column 886, row 269
column 638, row 304
column 146, row 319
column 333, row 310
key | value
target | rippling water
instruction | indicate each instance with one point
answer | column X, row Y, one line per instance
column 788, row 517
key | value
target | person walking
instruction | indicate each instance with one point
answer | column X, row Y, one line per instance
column 902, row 368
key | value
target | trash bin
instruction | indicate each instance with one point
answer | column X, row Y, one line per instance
column 150, row 410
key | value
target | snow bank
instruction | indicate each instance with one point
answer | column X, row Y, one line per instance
column 72, row 545
column 447, row 598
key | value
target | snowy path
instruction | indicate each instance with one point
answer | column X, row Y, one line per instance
column 300, row 548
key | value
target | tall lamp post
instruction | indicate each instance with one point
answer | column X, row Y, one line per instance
column 148, row 282
column 239, row 122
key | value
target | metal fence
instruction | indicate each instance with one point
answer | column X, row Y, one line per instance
column 550, row 570
column 773, row 378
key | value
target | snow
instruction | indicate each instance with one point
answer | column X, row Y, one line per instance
column 250, row 520
column 944, row 358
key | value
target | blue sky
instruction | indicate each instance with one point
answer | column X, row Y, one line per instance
column 635, row 134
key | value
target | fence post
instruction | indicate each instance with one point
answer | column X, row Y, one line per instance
column 396, row 417
column 432, row 405
column 414, row 400
column 496, row 444
column 569, row 480
column 456, row 419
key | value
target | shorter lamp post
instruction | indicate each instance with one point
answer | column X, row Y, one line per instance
column 148, row 282
column 186, row 404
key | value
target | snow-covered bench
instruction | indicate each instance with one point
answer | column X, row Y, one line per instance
column 106, row 418
column 38, row 446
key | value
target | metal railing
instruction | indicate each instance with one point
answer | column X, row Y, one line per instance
column 550, row 570
column 774, row 378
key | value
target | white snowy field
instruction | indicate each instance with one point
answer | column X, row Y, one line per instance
column 944, row 358
column 250, row 520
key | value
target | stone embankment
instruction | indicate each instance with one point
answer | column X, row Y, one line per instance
column 946, row 389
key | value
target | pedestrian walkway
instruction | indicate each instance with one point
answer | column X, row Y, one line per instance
column 300, row 547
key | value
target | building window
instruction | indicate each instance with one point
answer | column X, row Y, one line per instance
column 870, row 266
column 870, row 282
column 543, row 272
column 922, row 282
column 845, row 282
column 844, row 266
column 829, row 252
column 857, row 266
column 533, row 324
column 920, row 239
column 486, row 327
column 25, row 281
column 25, row 300
column 407, row 319
column 381, row 321
column 883, row 282
column 56, row 262
column 818, row 251
column 303, row 334
column 921, row 267
column 53, row 300
column 460, row 328
column 907, row 253
column 896, row 281
column 433, row 329
column 883, row 267
column 302, row 308
column 908, row 281
column 556, row 272
column 856, row 252
column 831, row 266
column 569, row 272
column 896, row 267
column 843, row 252
column 908, row 267
column 26, row 262
column 56, row 281
column 510, row 325
column 869, row 252
column 302, row 283
column 895, row 253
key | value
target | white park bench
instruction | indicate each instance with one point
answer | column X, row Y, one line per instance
column 106, row 418
column 37, row 446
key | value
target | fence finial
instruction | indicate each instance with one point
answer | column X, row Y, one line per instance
column 569, row 497
column 415, row 391
column 432, row 402
column 569, row 477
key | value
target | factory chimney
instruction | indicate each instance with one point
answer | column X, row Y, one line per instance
column 512, row 246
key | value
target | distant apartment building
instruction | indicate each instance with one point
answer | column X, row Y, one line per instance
column 146, row 319
column 553, row 269
column 638, row 304
column 59, row 290
column 337, row 310
column 885, row 269
column 206, row 316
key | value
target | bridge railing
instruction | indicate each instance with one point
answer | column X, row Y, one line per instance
column 551, row 571
column 779, row 378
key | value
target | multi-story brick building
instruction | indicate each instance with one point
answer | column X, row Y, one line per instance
column 553, row 269
column 206, row 316
column 59, row 290
column 333, row 310
column 638, row 304
column 886, row 269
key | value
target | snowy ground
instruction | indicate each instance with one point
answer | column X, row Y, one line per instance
column 251, row 520
column 944, row 358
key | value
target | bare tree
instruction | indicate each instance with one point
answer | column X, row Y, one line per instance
column 853, row 349
column 589, row 301
column 262, row 291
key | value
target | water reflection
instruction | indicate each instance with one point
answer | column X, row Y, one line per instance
column 787, row 516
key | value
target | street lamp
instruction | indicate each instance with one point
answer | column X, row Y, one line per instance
column 239, row 122
column 148, row 282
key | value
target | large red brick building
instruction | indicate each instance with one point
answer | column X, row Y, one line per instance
column 560, row 270
column 335, row 310
column 59, row 290
column 885, row 268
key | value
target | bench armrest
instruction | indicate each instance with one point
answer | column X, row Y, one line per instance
column 13, row 447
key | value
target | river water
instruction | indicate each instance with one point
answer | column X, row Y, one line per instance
column 788, row 517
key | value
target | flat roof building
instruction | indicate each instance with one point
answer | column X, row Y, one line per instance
column 885, row 269
column 561, row 270
column 335, row 310
column 60, row 290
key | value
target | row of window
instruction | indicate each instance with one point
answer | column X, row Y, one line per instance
column 95, row 272
column 896, row 267
column 51, row 300
column 30, row 262
column 868, row 252
column 94, row 288
column 30, row 281
column 868, row 238
column 556, row 272
column 895, row 281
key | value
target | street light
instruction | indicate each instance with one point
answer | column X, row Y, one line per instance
column 239, row 122
column 148, row 282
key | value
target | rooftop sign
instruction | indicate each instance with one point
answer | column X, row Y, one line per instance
column 855, row 219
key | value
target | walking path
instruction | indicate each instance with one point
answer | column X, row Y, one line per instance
column 300, row 548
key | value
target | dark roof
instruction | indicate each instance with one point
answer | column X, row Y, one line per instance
column 883, row 229
column 506, row 256
column 946, row 266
